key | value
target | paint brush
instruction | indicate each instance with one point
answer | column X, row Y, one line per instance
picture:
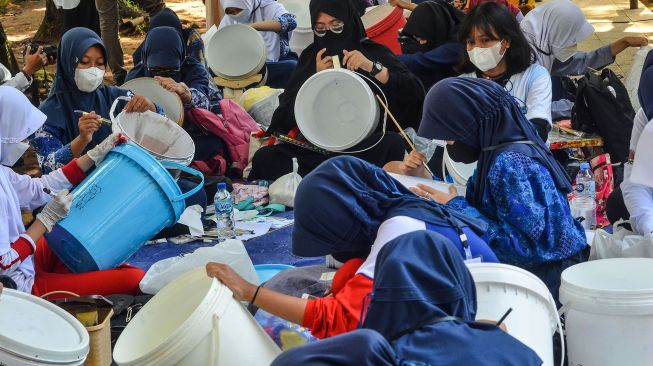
column 504, row 316
column 408, row 140
column 102, row 119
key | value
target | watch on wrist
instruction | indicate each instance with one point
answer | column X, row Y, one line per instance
column 377, row 67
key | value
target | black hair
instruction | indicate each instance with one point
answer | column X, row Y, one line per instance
column 495, row 19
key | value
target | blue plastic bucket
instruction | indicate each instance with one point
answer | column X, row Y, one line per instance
column 123, row 203
column 266, row 271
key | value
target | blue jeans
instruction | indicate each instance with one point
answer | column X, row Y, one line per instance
column 279, row 72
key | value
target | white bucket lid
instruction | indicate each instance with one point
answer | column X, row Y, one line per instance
column 621, row 286
column 301, row 11
column 336, row 109
column 152, row 90
column 38, row 330
column 236, row 52
column 460, row 172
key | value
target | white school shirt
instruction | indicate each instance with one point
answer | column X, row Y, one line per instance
column 532, row 89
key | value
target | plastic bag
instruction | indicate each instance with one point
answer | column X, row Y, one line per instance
column 423, row 145
column 632, row 80
column 231, row 252
column 622, row 243
column 283, row 189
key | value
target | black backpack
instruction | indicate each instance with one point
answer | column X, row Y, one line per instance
column 602, row 106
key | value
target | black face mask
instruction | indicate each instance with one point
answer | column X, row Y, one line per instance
column 334, row 44
column 462, row 153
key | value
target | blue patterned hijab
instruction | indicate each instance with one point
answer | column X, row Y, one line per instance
column 340, row 206
column 482, row 115
column 65, row 97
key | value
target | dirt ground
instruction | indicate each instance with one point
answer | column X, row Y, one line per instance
column 23, row 18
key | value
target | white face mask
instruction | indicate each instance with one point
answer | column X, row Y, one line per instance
column 242, row 16
column 563, row 55
column 486, row 58
column 88, row 80
column 11, row 152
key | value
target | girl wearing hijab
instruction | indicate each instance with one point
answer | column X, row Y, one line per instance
column 164, row 58
column 497, row 50
column 518, row 188
column 19, row 119
column 351, row 209
column 421, row 312
column 275, row 24
column 633, row 201
column 428, row 42
column 78, row 86
column 339, row 31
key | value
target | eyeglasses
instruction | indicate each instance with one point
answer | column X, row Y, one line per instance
column 336, row 27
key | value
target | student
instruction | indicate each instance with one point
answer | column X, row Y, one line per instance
column 497, row 50
column 421, row 312
column 351, row 209
column 428, row 41
column 78, row 86
column 632, row 201
column 275, row 24
column 518, row 188
column 18, row 119
column 339, row 31
column 164, row 57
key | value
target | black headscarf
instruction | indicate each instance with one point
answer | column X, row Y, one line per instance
column 645, row 91
column 403, row 103
column 482, row 115
column 435, row 21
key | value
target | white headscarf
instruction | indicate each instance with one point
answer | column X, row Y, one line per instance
column 641, row 170
column 554, row 26
column 261, row 10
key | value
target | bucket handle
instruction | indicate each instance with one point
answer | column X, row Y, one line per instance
column 113, row 108
column 559, row 313
column 59, row 293
column 185, row 169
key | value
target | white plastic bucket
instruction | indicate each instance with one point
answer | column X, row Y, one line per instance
column 194, row 321
column 300, row 39
column 534, row 317
column 302, row 36
column 608, row 307
column 152, row 90
column 236, row 52
column 35, row 332
column 336, row 109
column 459, row 172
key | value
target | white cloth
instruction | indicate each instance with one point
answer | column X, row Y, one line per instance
column 638, row 197
column 66, row 4
column 261, row 10
column 389, row 230
column 531, row 88
column 553, row 26
column 19, row 119
column 20, row 81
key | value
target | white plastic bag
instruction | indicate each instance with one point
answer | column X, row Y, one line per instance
column 622, row 243
column 283, row 189
column 632, row 80
column 231, row 252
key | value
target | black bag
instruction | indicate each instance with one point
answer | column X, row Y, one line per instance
column 603, row 107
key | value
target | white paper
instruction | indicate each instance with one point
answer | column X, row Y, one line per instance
column 192, row 217
column 410, row 182
column 244, row 215
column 257, row 229
column 275, row 221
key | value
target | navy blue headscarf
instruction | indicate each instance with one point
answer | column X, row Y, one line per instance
column 65, row 97
column 481, row 114
column 340, row 206
column 645, row 91
column 164, row 47
column 165, row 18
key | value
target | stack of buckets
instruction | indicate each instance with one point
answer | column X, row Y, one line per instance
column 382, row 24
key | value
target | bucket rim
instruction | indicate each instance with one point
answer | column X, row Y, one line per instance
column 384, row 23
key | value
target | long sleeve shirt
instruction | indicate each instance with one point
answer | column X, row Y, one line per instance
column 581, row 62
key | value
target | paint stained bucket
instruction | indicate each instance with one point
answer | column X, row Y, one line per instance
column 123, row 203
column 382, row 24
column 336, row 109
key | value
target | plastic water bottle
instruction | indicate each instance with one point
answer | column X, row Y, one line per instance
column 224, row 212
column 583, row 205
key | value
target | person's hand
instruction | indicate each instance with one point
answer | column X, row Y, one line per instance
column 355, row 60
column 243, row 290
column 427, row 192
column 56, row 209
column 88, row 124
column 323, row 63
column 99, row 152
column 34, row 61
column 139, row 104
column 494, row 322
column 178, row 88
column 403, row 4
column 635, row 41
column 413, row 164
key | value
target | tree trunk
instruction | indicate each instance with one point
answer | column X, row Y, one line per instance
column 7, row 57
column 50, row 29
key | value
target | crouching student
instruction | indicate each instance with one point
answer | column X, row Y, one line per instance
column 351, row 209
column 518, row 188
column 421, row 312
column 24, row 254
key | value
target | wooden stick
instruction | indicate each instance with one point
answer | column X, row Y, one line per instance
column 408, row 140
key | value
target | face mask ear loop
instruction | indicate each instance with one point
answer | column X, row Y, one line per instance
column 522, row 104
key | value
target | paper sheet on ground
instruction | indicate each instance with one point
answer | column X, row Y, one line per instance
column 409, row 182
column 192, row 217
column 276, row 221
column 257, row 229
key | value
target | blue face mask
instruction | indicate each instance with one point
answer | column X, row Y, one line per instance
column 242, row 17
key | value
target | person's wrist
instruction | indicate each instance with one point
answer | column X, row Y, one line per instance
column 28, row 71
column 250, row 290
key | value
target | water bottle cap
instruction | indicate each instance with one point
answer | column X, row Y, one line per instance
column 222, row 186
column 584, row 165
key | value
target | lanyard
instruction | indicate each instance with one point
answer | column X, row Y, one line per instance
column 525, row 142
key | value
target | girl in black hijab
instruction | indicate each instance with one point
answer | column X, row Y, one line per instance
column 339, row 31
